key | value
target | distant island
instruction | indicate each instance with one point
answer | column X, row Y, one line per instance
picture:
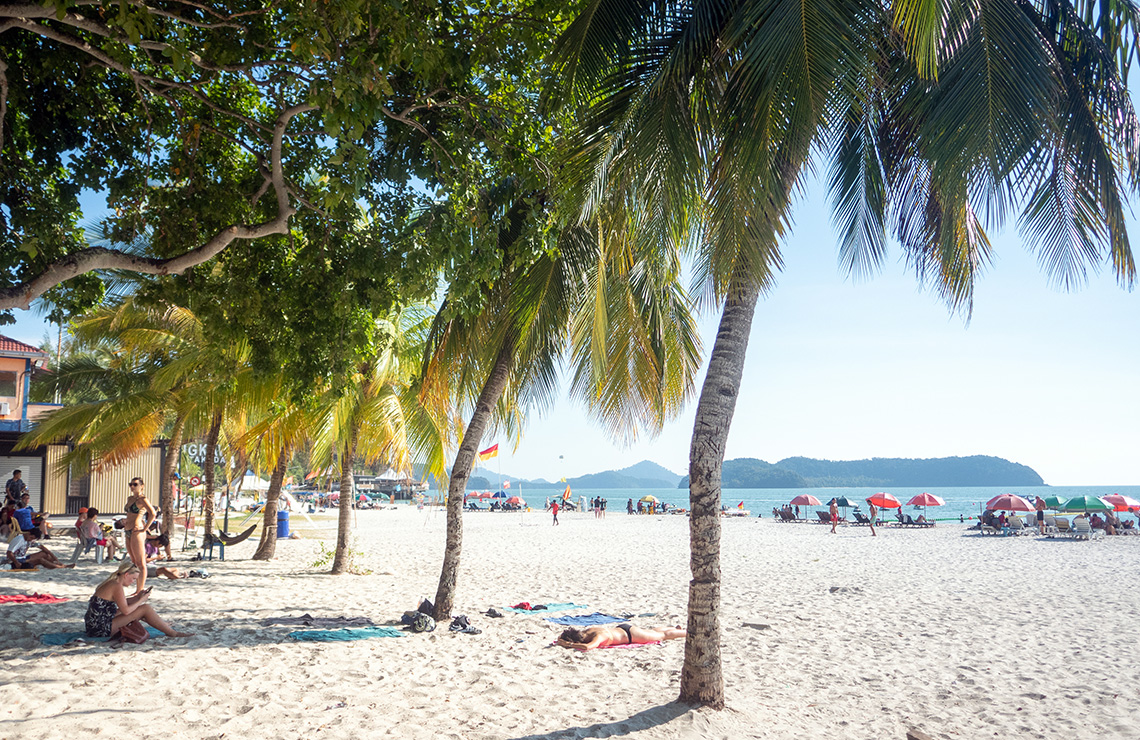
column 799, row 472
column 878, row 472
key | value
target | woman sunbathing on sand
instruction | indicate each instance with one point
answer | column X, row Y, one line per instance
column 615, row 634
column 109, row 608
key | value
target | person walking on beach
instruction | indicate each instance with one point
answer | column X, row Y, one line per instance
column 873, row 513
column 629, row 508
column 834, row 509
column 554, row 508
column 1040, row 504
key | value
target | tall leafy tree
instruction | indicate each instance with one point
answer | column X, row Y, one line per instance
column 939, row 120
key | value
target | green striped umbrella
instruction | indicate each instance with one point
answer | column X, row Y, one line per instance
column 1086, row 504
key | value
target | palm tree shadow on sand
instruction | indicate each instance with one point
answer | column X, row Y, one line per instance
column 643, row 720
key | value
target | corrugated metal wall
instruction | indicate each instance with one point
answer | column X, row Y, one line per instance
column 55, row 480
column 31, row 472
column 110, row 489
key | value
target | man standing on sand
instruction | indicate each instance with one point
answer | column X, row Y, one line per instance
column 554, row 508
column 874, row 512
column 15, row 488
column 1040, row 515
column 834, row 508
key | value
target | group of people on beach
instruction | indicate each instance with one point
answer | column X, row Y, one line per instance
column 109, row 607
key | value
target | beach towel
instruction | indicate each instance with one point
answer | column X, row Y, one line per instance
column 615, row 647
column 62, row 638
column 29, row 599
column 584, row 620
column 346, row 635
column 561, row 607
column 310, row 621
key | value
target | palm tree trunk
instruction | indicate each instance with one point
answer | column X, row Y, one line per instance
column 173, row 450
column 344, row 523
column 702, row 681
column 208, row 496
column 461, row 471
column 268, row 545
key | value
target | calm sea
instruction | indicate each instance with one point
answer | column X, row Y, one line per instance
column 963, row 502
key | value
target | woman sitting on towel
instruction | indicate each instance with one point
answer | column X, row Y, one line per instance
column 109, row 608
column 609, row 635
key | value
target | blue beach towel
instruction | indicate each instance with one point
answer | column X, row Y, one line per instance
column 584, row 620
column 562, row 607
column 62, row 638
column 360, row 633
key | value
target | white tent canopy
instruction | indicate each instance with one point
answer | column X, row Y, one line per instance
column 251, row 483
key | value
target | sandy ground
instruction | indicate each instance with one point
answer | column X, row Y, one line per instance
column 854, row 637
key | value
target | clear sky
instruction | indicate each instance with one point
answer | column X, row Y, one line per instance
column 843, row 369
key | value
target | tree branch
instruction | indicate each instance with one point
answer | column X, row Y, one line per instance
column 98, row 258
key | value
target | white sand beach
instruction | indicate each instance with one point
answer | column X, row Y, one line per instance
column 825, row 636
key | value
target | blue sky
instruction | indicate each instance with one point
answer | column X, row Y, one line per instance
column 844, row 369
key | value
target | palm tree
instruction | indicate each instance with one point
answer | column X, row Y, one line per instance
column 939, row 120
column 365, row 415
column 607, row 294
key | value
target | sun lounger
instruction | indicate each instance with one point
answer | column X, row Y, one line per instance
column 1016, row 525
column 1083, row 531
column 1062, row 527
column 824, row 517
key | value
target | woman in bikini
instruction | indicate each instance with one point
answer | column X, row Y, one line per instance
column 608, row 635
column 109, row 607
column 140, row 514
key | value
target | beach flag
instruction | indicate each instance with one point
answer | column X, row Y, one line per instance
column 566, row 493
column 563, row 480
column 312, row 475
column 506, row 484
column 740, row 506
column 488, row 453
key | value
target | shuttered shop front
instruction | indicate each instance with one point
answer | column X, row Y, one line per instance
column 31, row 472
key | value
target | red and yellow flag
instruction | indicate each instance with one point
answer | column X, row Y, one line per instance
column 566, row 493
column 487, row 454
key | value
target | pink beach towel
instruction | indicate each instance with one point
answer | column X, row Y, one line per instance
column 30, row 599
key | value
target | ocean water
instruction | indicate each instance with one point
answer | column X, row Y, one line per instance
column 960, row 502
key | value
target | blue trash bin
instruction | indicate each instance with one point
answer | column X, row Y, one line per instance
column 283, row 524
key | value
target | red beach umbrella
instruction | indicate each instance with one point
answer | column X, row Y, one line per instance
column 1121, row 502
column 806, row 499
column 884, row 501
column 926, row 499
column 516, row 500
column 1009, row 502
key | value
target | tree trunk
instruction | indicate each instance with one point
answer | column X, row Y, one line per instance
column 702, row 681
column 208, row 496
column 461, row 471
column 268, row 545
column 173, row 450
column 344, row 523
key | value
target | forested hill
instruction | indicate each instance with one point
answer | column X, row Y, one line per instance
column 805, row 472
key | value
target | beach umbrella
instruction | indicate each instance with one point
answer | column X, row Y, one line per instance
column 1121, row 503
column 884, row 501
column 1054, row 502
column 926, row 499
column 1009, row 502
column 499, row 494
column 648, row 499
column 805, row 499
column 1087, row 504
column 516, row 500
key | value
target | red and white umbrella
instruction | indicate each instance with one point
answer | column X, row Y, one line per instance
column 1121, row 502
column 1009, row 502
column 926, row 499
column 805, row 499
column 516, row 500
column 884, row 501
